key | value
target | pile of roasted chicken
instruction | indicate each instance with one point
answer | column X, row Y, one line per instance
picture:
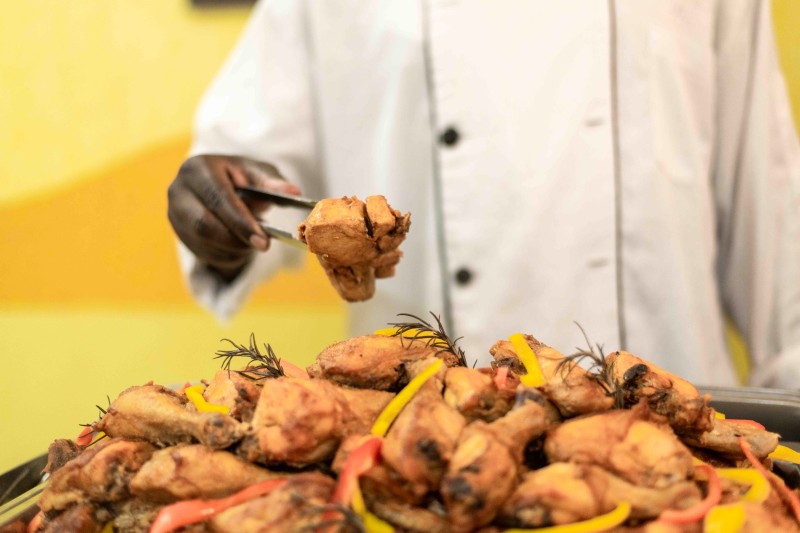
column 394, row 432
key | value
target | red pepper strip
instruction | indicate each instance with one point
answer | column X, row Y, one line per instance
column 364, row 457
column 787, row 495
column 36, row 522
column 745, row 422
column 84, row 437
column 189, row 512
column 501, row 377
column 699, row 510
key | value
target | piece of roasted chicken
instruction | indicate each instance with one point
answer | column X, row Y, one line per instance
column 421, row 441
column 476, row 395
column 83, row 518
column 236, row 392
column 162, row 416
column 374, row 361
column 635, row 444
column 666, row 394
column 102, row 473
column 408, row 518
column 185, row 472
column 355, row 242
column 300, row 504
column 483, row 470
column 302, row 421
column 574, row 390
column 563, row 493
column 723, row 437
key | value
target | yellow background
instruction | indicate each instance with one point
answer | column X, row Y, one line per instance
column 96, row 106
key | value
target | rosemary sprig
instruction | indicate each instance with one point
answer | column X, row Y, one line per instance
column 101, row 413
column 599, row 370
column 435, row 336
column 259, row 365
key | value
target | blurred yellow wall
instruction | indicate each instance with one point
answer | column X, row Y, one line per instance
column 95, row 116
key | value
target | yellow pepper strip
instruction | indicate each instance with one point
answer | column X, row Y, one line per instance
column 372, row 524
column 385, row 419
column 719, row 415
column 759, row 486
column 593, row 525
column 108, row 528
column 195, row 394
column 784, row 453
column 534, row 377
column 727, row 518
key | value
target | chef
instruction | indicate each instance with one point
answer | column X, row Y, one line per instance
column 627, row 165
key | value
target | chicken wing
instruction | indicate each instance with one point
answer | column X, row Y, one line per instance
column 373, row 361
column 185, row 472
column 483, row 470
column 421, row 441
column 475, row 395
column 234, row 391
column 297, row 505
column 162, row 416
column 666, row 394
column 568, row 385
column 301, row 421
column 562, row 493
column 724, row 438
column 635, row 444
column 100, row 474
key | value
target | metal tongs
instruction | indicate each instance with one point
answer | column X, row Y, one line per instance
column 282, row 200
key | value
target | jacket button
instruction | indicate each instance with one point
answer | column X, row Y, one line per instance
column 463, row 276
column 449, row 137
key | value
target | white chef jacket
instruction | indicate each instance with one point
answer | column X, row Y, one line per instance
column 629, row 165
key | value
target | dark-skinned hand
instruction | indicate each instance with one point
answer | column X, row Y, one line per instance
column 218, row 226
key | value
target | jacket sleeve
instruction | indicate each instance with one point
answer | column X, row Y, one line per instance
column 260, row 105
column 757, row 191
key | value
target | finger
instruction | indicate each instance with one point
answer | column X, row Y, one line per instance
column 204, row 234
column 216, row 193
column 266, row 177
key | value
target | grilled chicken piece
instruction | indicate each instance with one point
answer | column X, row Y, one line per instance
column 475, row 395
column 302, row 421
column 82, row 518
column 635, row 444
column 235, row 392
column 724, row 438
column 768, row 517
column 554, row 495
column 100, row 474
column 297, row 505
column 59, row 453
column 568, row 385
column 185, row 472
column 407, row 518
column 373, row 361
column 164, row 417
column 355, row 242
column 666, row 394
column 137, row 515
column 421, row 440
column 483, row 470
column 563, row 493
